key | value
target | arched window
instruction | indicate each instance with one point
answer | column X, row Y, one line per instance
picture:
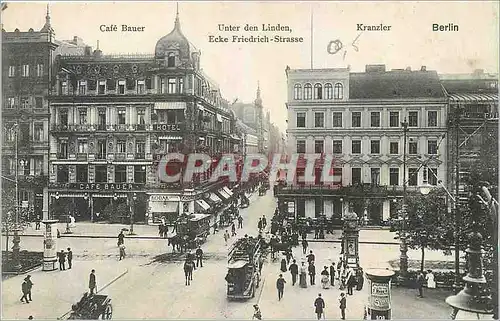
column 297, row 92
column 328, row 91
column 338, row 92
column 171, row 60
column 307, row 91
column 318, row 91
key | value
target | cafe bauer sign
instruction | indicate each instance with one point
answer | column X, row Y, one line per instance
column 105, row 186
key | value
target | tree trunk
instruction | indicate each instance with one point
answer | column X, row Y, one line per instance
column 422, row 259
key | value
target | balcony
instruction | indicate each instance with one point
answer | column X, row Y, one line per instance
column 357, row 191
column 120, row 156
column 62, row 155
column 81, row 156
column 140, row 156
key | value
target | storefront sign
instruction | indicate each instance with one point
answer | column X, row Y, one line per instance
column 291, row 207
column 104, row 186
column 166, row 127
column 164, row 198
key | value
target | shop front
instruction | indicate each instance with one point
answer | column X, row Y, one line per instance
column 163, row 208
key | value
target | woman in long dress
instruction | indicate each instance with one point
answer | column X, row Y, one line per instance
column 283, row 265
column 360, row 279
column 325, row 278
column 303, row 275
column 431, row 284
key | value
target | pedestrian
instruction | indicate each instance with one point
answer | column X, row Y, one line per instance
column 351, row 280
column 122, row 251
column 360, row 280
column 240, row 221
column 264, row 221
column 30, row 286
column 256, row 313
column 304, row 246
column 199, row 257
column 226, row 236
column 37, row 223
column 280, row 285
column 121, row 238
column 310, row 257
column 319, row 305
column 289, row 255
column 215, row 227
column 339, row 268
column 312, row 272
column 303, row 275
column 342, row 305
column 283, row 265
column 259, row 225
column 325, row 278
column 62, row 260
column 161, row 230
column 233, row 229
column 70, row 258
column 30, row 317
column 92, row 282
column 294, row 270
column 431, row 284
column 24, row 289
column 332, row 274
column 420, row 284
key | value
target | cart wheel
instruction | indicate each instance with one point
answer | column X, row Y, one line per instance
column 107, row 314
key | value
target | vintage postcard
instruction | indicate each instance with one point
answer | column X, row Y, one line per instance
column 249, row 160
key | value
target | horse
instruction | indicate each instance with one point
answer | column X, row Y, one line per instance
column 188, row 271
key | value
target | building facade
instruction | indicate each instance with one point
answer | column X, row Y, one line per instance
column 356, row 118
column 112, row 119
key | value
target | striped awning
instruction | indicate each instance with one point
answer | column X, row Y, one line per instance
column 223, row 194
column 465, row 98
column 204, row 205
column 214, row 198
column 171, row 105
column 170, row 138
column 228, row 191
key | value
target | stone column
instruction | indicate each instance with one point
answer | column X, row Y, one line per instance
column 379, row 295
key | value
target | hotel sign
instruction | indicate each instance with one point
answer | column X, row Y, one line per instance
column 105, row 186
column 166, row 127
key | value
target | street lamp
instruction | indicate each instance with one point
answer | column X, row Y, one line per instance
column 403, row 258
column 16, row 239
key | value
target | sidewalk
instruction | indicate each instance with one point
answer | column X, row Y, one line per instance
column 55, row 292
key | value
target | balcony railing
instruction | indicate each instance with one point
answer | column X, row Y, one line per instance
column 350, row 190
column 98, row 127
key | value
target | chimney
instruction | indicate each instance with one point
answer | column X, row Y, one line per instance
column 75, row 40
column 408, row 68
column 423, row 68
column 375, row 68
column 88, row 50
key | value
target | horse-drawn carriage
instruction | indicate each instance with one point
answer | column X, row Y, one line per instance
column 191, row 231
column 228, row 215
column 92, row 307
column 244, row 202
column 244, row 266
column 262, row 190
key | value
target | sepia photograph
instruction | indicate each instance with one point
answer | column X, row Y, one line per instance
column 249, row 160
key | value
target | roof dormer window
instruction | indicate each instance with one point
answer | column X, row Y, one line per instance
column 171, row 60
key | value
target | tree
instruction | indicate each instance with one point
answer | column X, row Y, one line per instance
column 427, row 223
column 9, row 213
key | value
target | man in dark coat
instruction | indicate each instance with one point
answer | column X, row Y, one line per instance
column 24, row 288
column 319, row 305
column 70, row 258
column 92, row 282
column 199, row 257
column 62, row 260
column 310, row 257
column 420, row 284
column 280, row 285
column 294, row 271
column 240, row 221
column 259, row 225
column 30, row 286
column 304, row 246
column 312, row 272
column 332, row 274
column 264, row 221
column 37, row 225
column 121, row 238
column 342, row 305
column 233, row 229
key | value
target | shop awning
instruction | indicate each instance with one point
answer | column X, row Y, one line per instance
column 237, row 264
column 164, row 207
column 170, row 105
column 223, row 194
column 170, row 137
column 204, row 205
column 228, row 191
column 464, row 98
column 214, row 198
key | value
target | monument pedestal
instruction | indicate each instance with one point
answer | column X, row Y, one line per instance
column 49, row 246
column 379, row 297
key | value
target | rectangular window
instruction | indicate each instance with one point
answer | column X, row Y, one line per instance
column 82, row 87
column 375, row 147
column 82, row 116
column 101, row 119
column 375, row 119
column 301, row 146
column 163, row 86
column 432, row 176
column 394, row 148
column 319, row 120
column 62, row 173
column 121, row 87
column 412, row 148
column 337, row 147
column 432, row 147
column 171, row 85
column 39, row 70
column 141, row 87
column 337, row 119
column 432, row 118
column 82, row 173
column 63, row 150
column 101, row 173
column 101, row 88
column 413, row 119
column 121, row 146
column 38, row 132
column 101, row 149
column 301, row 120
column 318, row 146
column 64, row 87
column 181, row 85
column 375, row 176
column 11, row 102
column 412, row 176
column 25, row 102
column 121, row 116
column 356, row 119
column 141, row 118
column 38, row 165
column 140, row 174
column 356, row 147
column 83, row 147
column 120, row 173
column 393, row 119
column 38, row 102
column 12, row 71
column 26, row 71
column 140, row 149
column 393, row 176
column 355, row 176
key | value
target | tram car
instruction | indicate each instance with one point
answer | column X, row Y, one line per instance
column 244, row 267
column 191, row 231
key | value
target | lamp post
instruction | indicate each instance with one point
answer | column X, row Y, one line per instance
column 403, row 258
column 16, row 239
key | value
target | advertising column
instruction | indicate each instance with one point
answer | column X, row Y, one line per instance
column 49, row 246
column 379, row 297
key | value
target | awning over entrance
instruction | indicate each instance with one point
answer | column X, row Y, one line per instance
column 170, row 105
column 223, row 194
column 228, row 191
column 164, row 207
column 214, row 198
column 204, row 205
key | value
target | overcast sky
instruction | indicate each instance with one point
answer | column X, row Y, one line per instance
column 238, row 67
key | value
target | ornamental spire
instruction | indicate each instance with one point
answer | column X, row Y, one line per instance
column 177, row 22
column 47, row 27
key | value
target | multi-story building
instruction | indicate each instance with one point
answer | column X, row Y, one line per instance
column 356, row 117
column 473, row 124
column 113, row 117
